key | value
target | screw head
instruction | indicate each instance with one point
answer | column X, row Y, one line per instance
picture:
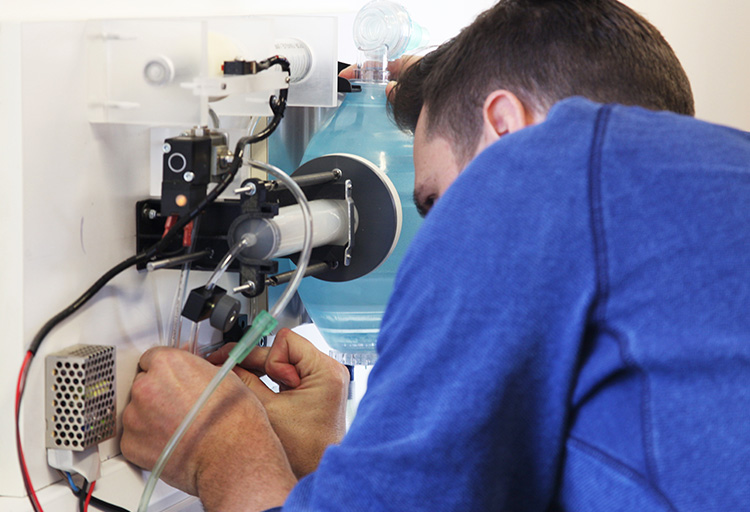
column 166, row 147
column 188, row 176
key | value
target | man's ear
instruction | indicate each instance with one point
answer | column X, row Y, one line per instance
column 503, row 113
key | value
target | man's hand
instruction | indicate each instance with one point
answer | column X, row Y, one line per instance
column 395, row 68
column 230, row 456
column 308, row 414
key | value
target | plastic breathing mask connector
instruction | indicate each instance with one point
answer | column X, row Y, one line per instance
column 384, row 31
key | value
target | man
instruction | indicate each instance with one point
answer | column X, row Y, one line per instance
column 568, row 330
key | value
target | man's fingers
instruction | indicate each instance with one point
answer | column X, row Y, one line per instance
column 148, row 357
column 256, row 385
column 348, row 72
column 255, row 360
column 291, row 358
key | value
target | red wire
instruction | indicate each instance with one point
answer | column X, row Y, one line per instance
column 187, row 234
column 21, row 459
column 169, row 223
column 88, row 496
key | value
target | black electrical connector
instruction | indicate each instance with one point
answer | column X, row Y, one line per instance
column 240, row 67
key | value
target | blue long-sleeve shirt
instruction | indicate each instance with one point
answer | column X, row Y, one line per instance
column 570, row 330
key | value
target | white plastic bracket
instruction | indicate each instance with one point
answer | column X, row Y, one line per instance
column 268, row 80
column 85, row 463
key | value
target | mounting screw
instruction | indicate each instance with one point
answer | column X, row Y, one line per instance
column 166, row 147
column 150, row 213
column 188, row 176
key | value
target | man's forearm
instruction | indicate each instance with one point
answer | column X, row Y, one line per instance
column 233, row 488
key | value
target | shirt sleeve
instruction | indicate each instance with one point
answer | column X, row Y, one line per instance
column 466, row 408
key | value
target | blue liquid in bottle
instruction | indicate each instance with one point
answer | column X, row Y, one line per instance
column 348, row 314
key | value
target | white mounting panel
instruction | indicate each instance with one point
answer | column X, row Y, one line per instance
column 138, row 70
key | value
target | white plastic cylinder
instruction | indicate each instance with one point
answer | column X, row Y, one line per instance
column 283, row 234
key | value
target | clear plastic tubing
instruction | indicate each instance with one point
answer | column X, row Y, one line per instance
column 262, row 325
column 245, row 241
column 193, row 342
column 175, row 319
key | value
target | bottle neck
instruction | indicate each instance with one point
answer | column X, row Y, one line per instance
column 372, row 66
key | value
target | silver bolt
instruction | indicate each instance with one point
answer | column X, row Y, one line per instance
column 247, row 287
column 151, row 214
column 337, row 173
column 166, row 147
column 188, row 176
column 248, row 189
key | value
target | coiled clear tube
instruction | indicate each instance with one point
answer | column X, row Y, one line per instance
column 262, row 326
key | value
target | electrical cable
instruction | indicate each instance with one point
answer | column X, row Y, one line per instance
column 96, row 502
column 82, row 496
column 261, row 326
column 88, row 496
column 278, row 106
column 21, row 459
column 73, row 486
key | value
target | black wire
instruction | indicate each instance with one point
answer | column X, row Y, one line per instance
column 100, row 504
column 83, row 299
column 103, row 505
column 278, row 105
column 82, row 496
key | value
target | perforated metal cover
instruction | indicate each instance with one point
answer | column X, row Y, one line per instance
column 80, row 397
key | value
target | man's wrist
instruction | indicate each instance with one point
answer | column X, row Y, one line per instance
column 237, row 487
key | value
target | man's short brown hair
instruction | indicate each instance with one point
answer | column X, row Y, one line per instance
column 542, row 51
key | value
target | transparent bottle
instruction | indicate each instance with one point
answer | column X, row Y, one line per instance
column 348, row 314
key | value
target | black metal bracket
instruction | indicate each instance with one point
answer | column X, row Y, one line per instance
column 212, row 232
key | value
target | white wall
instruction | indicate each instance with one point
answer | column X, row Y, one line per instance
column 711, row 39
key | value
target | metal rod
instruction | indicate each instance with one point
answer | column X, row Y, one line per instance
column 287, row 276
column 178, row 260
column 317, row 178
